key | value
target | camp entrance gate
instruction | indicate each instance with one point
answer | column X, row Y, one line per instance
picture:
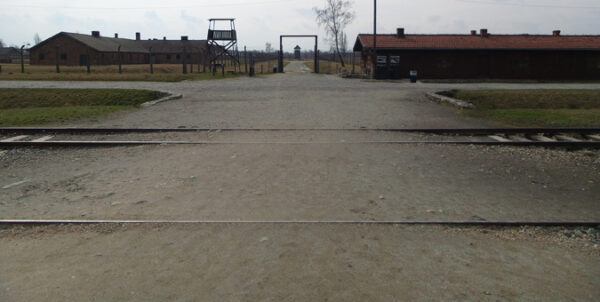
column 280, row 66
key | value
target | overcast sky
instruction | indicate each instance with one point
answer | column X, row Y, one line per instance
column 260, row 21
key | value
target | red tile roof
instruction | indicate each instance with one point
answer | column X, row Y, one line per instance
column 477, row 42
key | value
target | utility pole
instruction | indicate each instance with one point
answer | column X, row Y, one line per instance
column 374, row 38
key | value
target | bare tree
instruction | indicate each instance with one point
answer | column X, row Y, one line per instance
column 36, row 39
column 268, row 47
column 1, row 43
column 334, row 17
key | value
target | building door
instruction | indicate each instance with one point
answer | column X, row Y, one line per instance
column 83, row 60
column 382, row 70
column 395, row 72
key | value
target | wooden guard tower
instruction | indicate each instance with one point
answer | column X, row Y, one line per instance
column 222, row 43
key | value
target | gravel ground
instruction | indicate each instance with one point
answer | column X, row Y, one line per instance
column 229, row 262
column 298, row 262
column 303, row 182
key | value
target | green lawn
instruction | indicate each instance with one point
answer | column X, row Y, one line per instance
column 533, row 108
column 27, row 107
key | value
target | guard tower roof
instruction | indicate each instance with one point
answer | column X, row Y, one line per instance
column 221, row 19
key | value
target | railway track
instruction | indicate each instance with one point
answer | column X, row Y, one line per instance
column 280, row 222
column 95, row 137
column 61, row 137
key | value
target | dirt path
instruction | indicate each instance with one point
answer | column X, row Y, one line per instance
column 295, row 66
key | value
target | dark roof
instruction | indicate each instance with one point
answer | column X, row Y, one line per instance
column 106, row 44
column 174, row 46
column 297, row 47
column 491, row 41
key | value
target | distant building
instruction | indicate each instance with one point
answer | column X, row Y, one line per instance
column 76, row 49
column 482, row 55
column 10, row 55
column 297, row 52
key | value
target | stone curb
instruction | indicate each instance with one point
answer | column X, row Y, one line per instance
column 169, row 97
column 455, row 102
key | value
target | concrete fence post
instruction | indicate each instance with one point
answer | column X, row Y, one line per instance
column 245, row 60
column 184, row 62
column 151, row 63
column 22, row 60
column 89, row 58
column 119, row 58
column 57, row 59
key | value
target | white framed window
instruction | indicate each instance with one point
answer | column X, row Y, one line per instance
column 381, row 60
column 395, row 60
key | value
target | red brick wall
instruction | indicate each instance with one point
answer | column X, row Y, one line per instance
column 112, row 58
column 164, row 58
column 70, row 50
column 45, row 54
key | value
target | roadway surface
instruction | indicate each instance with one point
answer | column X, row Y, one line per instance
column 298, row 182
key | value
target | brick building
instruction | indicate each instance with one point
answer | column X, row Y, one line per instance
column 10, row 55
column 482, row 55
column 76, row 49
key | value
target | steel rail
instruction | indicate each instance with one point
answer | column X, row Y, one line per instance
column 457, row 131
column 579, row 144
column 308, row 222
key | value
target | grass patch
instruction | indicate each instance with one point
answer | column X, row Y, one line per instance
column 26, row 107
column 47, row 115
column 534, row 108
column 548, row 117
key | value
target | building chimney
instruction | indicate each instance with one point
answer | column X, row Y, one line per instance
column 484, row 33
column 138, row 36
column 116, row 35
column 556, row 33
column 184, row 38
column 96, row 34
column 400, row 32
column 473, row 33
